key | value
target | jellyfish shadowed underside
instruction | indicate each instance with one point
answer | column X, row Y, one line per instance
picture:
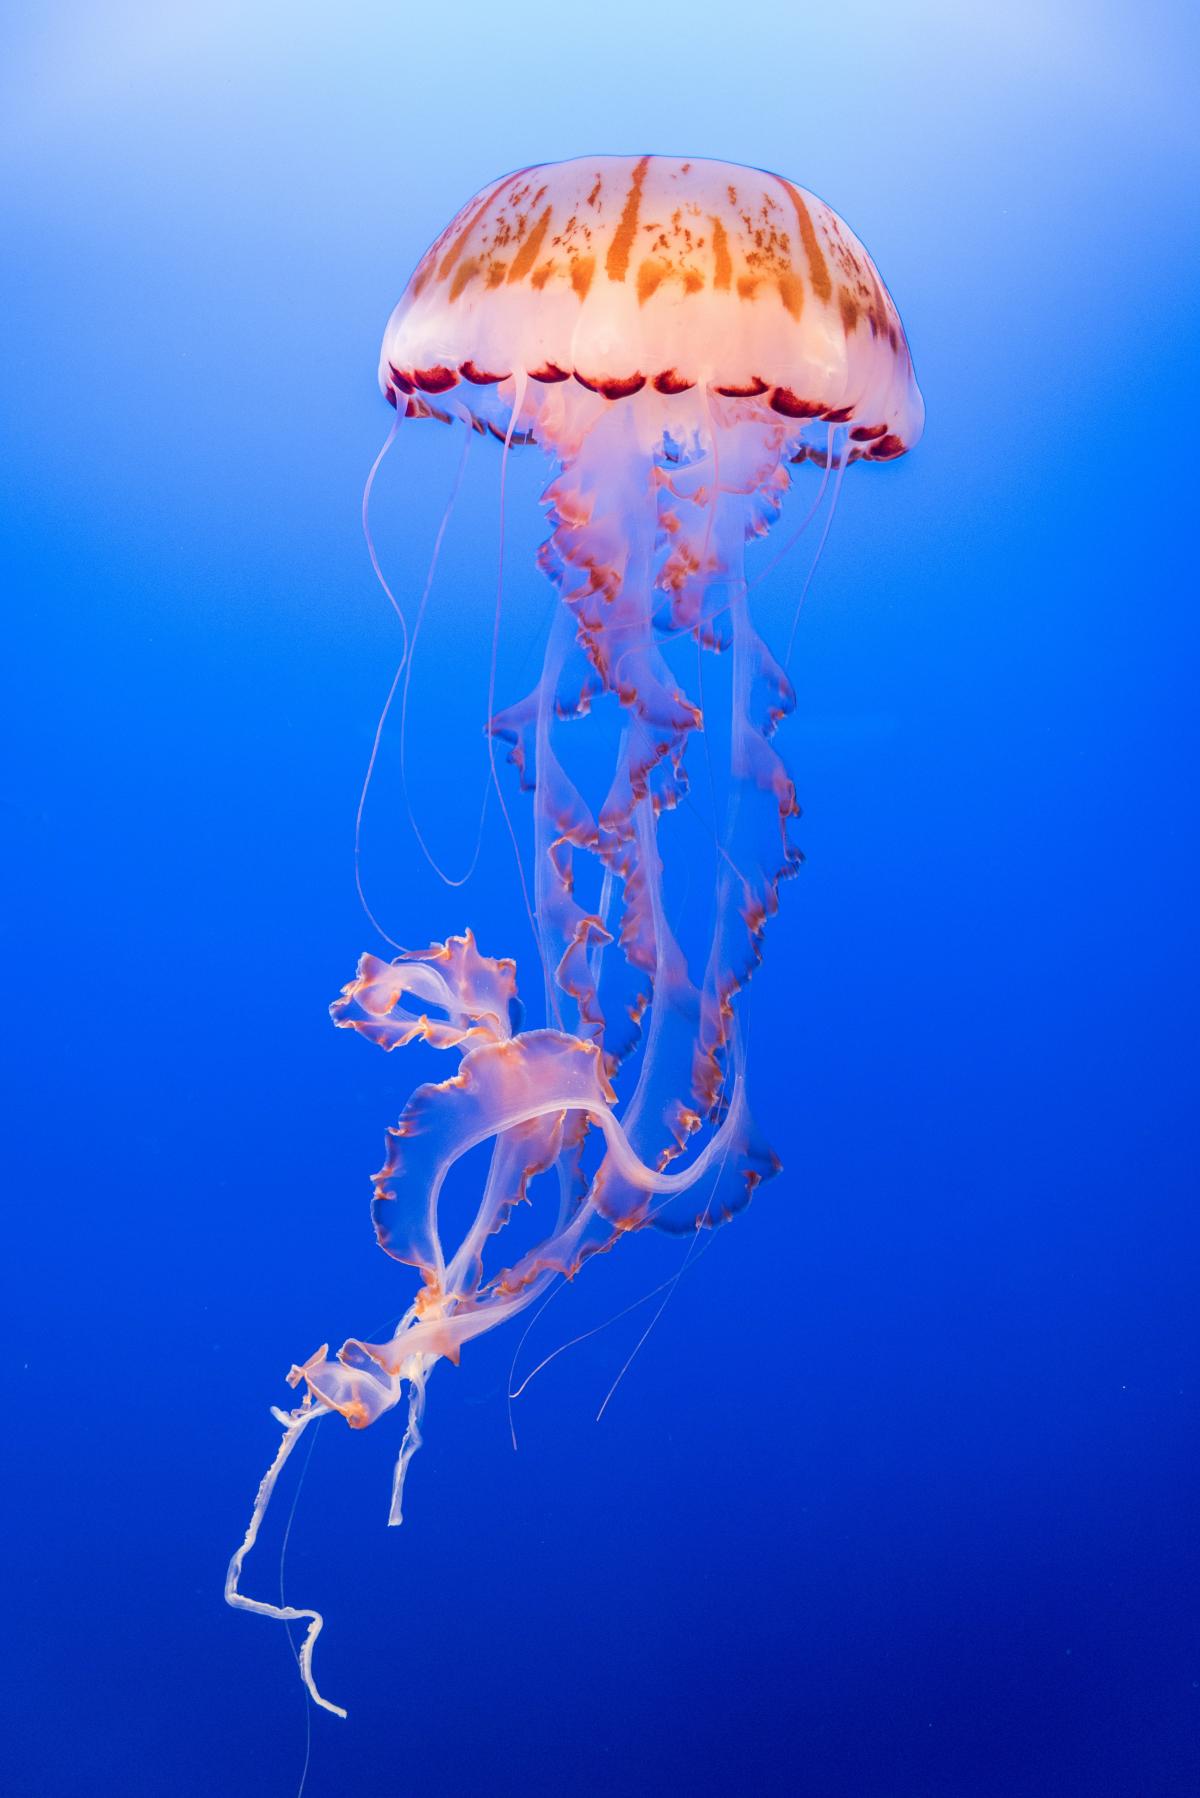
column 677, row 336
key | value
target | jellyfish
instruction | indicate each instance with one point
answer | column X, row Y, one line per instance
column 677, row 336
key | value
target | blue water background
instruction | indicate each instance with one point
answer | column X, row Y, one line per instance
column 899, row 1499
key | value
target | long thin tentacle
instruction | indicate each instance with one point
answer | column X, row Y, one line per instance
column 295, row 1423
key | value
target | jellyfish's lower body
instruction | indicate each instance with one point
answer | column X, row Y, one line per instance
column 647, row 551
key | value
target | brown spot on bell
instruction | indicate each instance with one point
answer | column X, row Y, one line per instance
column 618, row 389
column 722, row 264
column 479, row 376
column 582, row 270
column 464, row 274
column 435, row 380
column 792, row 406
column 651, row 273
column 749, row 390
column 791, row 292
column 527, row 255
column 617, row 261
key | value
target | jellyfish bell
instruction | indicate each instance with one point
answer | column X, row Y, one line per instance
column 673, row 283
column 676, row 335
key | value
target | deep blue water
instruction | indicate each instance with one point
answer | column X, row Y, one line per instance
column 899, row 1499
